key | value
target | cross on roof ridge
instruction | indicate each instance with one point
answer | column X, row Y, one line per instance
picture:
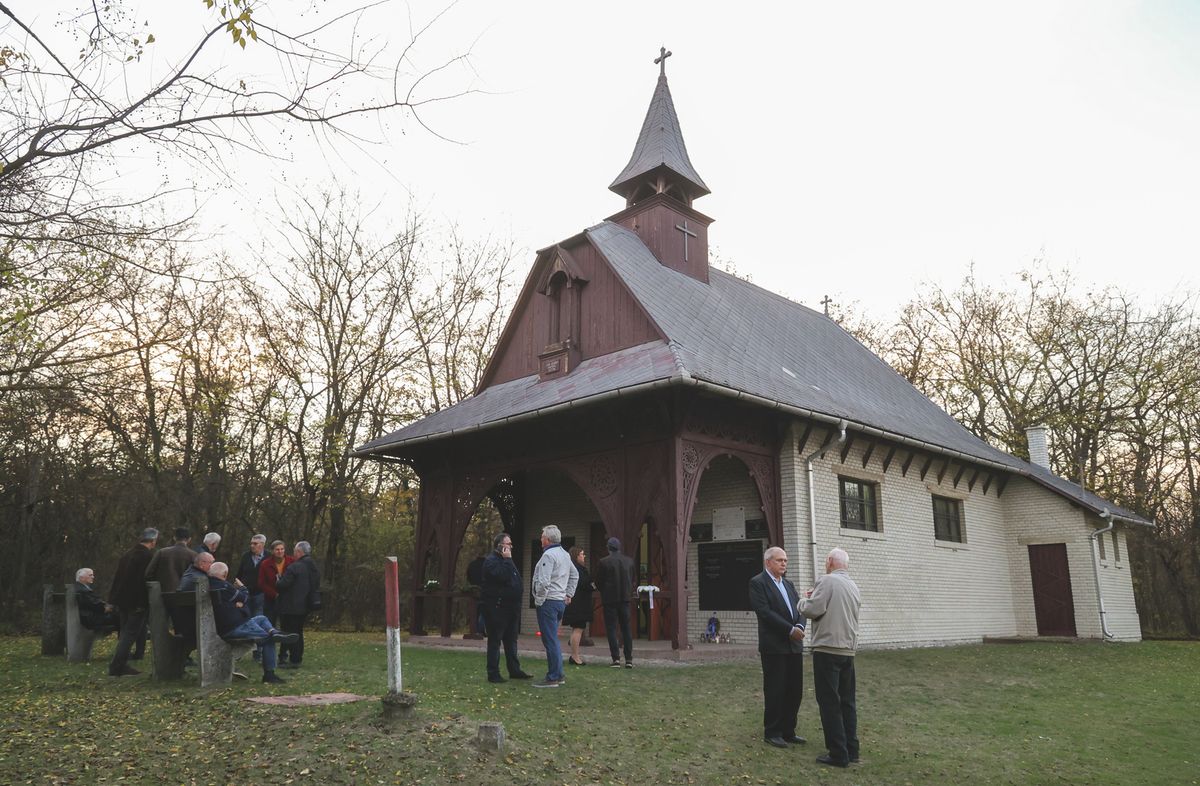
column 661, row 61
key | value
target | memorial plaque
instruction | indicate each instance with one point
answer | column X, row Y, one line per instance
column 726, row 568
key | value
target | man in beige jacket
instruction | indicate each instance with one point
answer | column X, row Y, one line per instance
column 832, row 605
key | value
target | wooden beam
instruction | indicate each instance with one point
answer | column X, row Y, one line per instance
column 987, row 482
column 958, row 475
column 887, row 460
column 925, row 467
column 867, row 454
column 942, row 471
column 828, row 437
column 804, row 438
column 1001, row 484
column 907, row 463
column 846, row 447
column 971, row 482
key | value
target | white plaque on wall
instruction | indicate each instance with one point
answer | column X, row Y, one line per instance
column 729, row 523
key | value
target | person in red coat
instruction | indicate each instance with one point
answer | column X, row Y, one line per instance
column 269, row 571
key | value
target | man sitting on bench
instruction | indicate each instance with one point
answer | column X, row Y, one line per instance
column 94, row 613
column 234, row 621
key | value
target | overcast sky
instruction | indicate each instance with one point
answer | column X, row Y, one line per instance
column 852, row 149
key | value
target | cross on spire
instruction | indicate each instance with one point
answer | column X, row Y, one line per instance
column 661, row 61
column 825, row 302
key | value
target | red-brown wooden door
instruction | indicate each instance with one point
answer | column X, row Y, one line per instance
column 1053, row 603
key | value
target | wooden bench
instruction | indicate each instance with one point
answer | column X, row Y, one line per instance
column 54, row 622
column 79, row 638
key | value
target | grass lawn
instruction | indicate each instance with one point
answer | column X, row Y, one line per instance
column 1023, row 714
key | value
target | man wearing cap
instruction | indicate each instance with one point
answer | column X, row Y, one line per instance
column 129, row 596
column 615, row 580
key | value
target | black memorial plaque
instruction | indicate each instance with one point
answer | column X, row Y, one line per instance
column 726, row 568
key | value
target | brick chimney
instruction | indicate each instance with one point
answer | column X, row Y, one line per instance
column 1039, row 451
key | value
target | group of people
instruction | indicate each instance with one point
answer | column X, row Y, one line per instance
column 827, row 615
column 267, row 600
column 562, row 594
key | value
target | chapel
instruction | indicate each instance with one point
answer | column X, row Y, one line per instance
column 637, row 392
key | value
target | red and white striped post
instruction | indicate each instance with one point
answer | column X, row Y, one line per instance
column 392, row 580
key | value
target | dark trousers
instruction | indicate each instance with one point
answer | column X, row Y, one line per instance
column 783, row 688
column 614, row 614
column 292, row 623
column 269, row 610
column 133, row 624
column 833, row 683
column 502, row 629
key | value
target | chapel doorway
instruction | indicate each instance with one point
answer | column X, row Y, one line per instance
column 1053, row 603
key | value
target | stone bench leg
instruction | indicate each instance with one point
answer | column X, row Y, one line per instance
column 54, row 623
column 79, row 638
column 216, row 655
column 169, row 650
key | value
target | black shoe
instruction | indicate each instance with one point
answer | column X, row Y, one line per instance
column 829, row 761
column 520, row 675
column 269, row 676
column 128, row 671
column 854, row 758
column 574, row 662
column 285, row 638
column 292, row 665
column 616, row 664
column 496, row 678
column 629, row 664
column 778, row 742
column 545, row 684
column 795, row 739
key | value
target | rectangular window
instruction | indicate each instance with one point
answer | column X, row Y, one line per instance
column 947, row 519
column 1116, row 547
column 1100, row 543
column 860, row 504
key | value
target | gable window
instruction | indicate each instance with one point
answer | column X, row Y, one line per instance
column 948, row 519
column 1116, row 547
column 860, row 504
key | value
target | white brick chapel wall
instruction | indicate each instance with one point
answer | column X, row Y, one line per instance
column 917, row 590
column 1037, row 516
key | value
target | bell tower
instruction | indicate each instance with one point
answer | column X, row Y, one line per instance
column 659, row 185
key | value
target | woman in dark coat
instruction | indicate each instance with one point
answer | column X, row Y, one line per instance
column 579, row 613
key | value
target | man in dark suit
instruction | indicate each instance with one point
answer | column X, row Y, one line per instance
column 168, row 565
column 615, row 578
column 129, row 596
column 780, row 633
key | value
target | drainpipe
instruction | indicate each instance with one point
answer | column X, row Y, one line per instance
column 1095, row 536
column 812, row 500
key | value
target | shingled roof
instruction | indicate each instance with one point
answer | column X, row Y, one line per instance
column 737, row 339
column 660, row 143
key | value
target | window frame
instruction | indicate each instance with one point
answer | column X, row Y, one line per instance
column 875, row 509
column 959, row 520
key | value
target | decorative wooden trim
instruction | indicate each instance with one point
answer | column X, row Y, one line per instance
column 958, row 475
column 971, row 482
column 987, row 482
column 803, row 441
column 1000, row 484
column 867, row 455
column 925, row 467
column 942, row 472
column 846, row 447
column 908, row 462
column 887, row 459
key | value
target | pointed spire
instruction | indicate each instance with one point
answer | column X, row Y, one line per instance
column 660, row 160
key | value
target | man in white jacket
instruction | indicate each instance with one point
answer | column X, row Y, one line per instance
column 832, row 605
column 554, row 580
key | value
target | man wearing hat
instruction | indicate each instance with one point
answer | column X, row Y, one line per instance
column 615, row 580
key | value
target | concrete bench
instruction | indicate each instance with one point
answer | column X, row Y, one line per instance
column 216, row 655
column 79, row 638
column 170, row 649
column 54, row 621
